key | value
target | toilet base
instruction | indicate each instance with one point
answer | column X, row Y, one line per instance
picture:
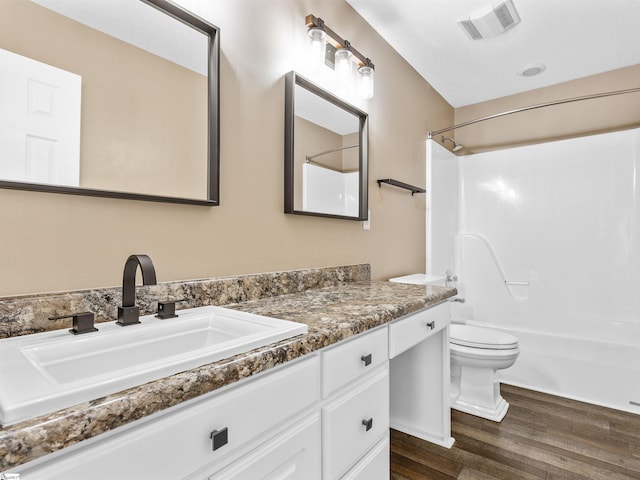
column 476, row 390
column 495, row 414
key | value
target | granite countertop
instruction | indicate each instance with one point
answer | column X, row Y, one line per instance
column 332, row 313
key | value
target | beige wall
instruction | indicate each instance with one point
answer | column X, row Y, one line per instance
column 54, row 242
column 140, row 113
column 312, row 139
column 552, row 123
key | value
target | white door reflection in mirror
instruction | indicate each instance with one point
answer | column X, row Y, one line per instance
column 39, row 122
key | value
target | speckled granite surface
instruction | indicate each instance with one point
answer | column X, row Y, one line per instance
column 27, row 314
column 332, row 313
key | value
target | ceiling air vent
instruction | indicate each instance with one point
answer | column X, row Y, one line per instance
column 471, row 29
column 491, row 22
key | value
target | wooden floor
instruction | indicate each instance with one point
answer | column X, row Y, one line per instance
column 542, row 437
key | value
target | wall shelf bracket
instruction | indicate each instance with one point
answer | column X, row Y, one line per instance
column 396, row 183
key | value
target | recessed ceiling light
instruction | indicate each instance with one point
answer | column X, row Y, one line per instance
column 532, row 70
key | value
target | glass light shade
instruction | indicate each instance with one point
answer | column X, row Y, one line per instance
column 318, row 38
column 343, row 62
column 366, row 75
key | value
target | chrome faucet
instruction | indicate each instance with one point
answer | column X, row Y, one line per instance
column 128, row 313
column 449, row 277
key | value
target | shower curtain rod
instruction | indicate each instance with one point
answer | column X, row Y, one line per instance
column 309, row 158
column 329, row 167
column 430, row 134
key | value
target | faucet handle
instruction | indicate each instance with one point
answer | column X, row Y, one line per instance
column 82, row 322
column 450, row 277
column 168, row 309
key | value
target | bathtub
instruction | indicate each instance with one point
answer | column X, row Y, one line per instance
column 602, row 372
column 589, row 364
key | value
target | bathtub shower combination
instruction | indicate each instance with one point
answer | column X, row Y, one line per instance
column 545, row 241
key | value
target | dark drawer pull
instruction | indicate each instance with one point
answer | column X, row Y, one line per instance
column 431, row 324
column 368, row 423
column 219, row 438
column 366, row 359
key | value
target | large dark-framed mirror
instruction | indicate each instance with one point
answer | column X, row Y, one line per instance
column 326, row 153
column 122, row 100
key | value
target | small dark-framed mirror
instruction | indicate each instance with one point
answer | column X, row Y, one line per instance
column 124, row 102
column 326, row 153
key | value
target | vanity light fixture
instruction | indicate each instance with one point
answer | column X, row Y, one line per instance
column 318, row 38
column 343, row 61
column 366, row 74
column 345, row 55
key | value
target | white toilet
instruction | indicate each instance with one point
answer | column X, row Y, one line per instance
column 477, row 353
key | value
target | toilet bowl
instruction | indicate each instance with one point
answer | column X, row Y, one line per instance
column 477, row 353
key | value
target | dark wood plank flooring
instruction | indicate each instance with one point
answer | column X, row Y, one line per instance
column 542, row 437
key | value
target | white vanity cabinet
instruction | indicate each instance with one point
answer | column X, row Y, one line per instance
column 420, row 382
column 325, row 416
column 355, row 409
column 178, row 443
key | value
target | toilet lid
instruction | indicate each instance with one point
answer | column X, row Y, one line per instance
column 481, row 337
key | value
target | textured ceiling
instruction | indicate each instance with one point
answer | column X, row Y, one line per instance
column 573, row 38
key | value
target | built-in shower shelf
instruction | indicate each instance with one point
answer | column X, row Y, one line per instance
column 396, row 183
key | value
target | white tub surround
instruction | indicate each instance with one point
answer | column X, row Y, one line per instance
column 547, row 248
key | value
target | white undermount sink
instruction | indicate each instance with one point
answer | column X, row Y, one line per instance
column 45, row 372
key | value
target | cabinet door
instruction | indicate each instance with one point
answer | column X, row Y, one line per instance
column 293, row 455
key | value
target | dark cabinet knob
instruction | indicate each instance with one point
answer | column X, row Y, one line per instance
column 368, row 423
column 219, row 438
column 366, row 359
column 431, row 325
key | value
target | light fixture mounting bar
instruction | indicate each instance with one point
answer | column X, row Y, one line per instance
column 336, row 40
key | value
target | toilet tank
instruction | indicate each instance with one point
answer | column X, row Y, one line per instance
column 457, row 309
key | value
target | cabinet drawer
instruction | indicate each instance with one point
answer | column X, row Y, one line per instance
column 346, row 362
column 293, row 455
column 178, row 443
column 258, row 406
column 345, row 433
column 408, row 331
column 374, row 466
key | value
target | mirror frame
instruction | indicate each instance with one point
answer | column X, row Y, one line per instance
column 213, row 129
column 291, row 80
